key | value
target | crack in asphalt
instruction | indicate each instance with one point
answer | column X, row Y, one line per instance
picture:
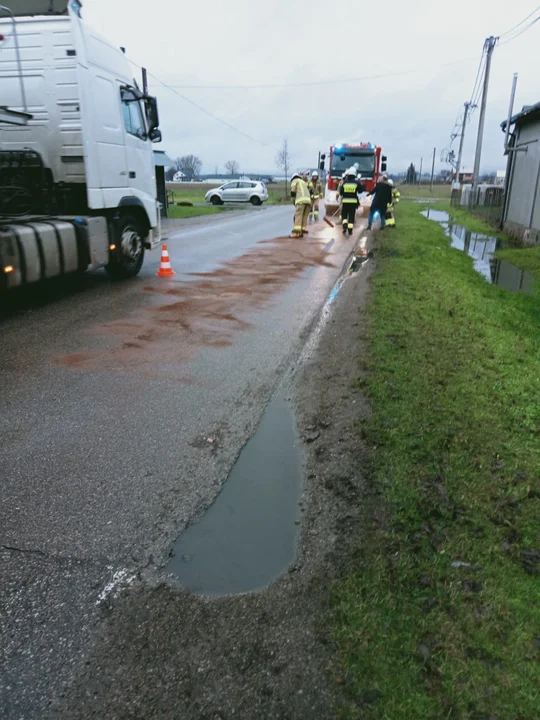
column 58, row 558
column 23, row 550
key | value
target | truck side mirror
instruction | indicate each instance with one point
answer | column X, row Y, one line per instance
column 384, row 158
column 152, row 113
column 321, row 163
column 155, row 135
column 383, row 166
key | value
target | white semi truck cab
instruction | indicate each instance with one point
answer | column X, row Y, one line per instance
column 77, row 178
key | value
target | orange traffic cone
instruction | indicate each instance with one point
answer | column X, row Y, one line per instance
column 165, row 269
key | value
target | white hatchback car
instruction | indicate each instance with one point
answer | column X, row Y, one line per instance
column 238, row 191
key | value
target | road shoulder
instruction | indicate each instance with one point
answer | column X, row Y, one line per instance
column 163, row 652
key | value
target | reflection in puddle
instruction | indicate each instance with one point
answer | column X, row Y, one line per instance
column 439, row 216
column 248, row 537
column 481, row 248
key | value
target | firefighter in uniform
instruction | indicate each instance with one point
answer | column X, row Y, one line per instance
column 338, row 191
column 348, row 191
column 315, row 189
column 341, row 183
column 302, row 204
column 391, row 210
column 396, row 196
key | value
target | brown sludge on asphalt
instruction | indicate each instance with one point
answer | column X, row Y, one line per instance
column 206, row 312
column 166, row 653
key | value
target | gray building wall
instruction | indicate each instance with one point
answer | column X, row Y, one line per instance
column 523, row 207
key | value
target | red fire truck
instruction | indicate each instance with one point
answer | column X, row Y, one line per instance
column 365, row 157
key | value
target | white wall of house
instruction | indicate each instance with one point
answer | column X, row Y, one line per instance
column 524, row 191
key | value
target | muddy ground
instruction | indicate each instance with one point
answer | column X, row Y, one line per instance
column 165, row 653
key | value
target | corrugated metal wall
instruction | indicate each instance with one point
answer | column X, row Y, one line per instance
column 524, row 194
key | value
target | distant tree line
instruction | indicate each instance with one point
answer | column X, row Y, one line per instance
column 191, row 165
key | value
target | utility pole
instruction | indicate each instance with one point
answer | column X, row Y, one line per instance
column 432, row 169
column 489, row 46
column 468, row 106
column 420, row 174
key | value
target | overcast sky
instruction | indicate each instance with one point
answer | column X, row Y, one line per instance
column 256, row 42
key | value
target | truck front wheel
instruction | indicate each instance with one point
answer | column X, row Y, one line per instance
column 126, row 258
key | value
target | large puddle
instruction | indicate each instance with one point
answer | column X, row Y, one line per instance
column 482, row 248
column 248, row 537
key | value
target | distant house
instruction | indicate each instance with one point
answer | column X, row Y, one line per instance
column 179, row 176
column 521, row 212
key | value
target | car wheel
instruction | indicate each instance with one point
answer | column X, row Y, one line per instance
column 255, row 200
column 216, row 200
column 127, row 258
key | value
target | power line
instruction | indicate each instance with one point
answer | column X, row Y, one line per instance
column 516, row 35
column 310, row 83
column 476, row 97
column 479, row 72
column 455, row 129
column 482, row 78
column 520, row 23
column 464, row 116
column 210, row 114
column 205, row 111
column 173, row 88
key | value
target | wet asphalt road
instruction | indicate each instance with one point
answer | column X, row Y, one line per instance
column 104, row 462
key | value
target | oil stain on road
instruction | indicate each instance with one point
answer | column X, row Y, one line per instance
column 205, row 311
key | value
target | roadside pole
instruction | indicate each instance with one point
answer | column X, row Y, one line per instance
column 432, row 169
column 468, row 106
column 490, row 47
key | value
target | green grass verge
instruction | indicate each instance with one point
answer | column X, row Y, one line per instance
column 452, row 377
column 188, row 192
column 195, row 192
column 423, row 191
column 176, row 211
column 524, row 258
column 276, row 194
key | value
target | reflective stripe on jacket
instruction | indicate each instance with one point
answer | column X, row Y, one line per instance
column 349, row 192
column 300, row 187
column 315, row 189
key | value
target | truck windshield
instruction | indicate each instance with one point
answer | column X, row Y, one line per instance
column 364, row 164
column 41, row 7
